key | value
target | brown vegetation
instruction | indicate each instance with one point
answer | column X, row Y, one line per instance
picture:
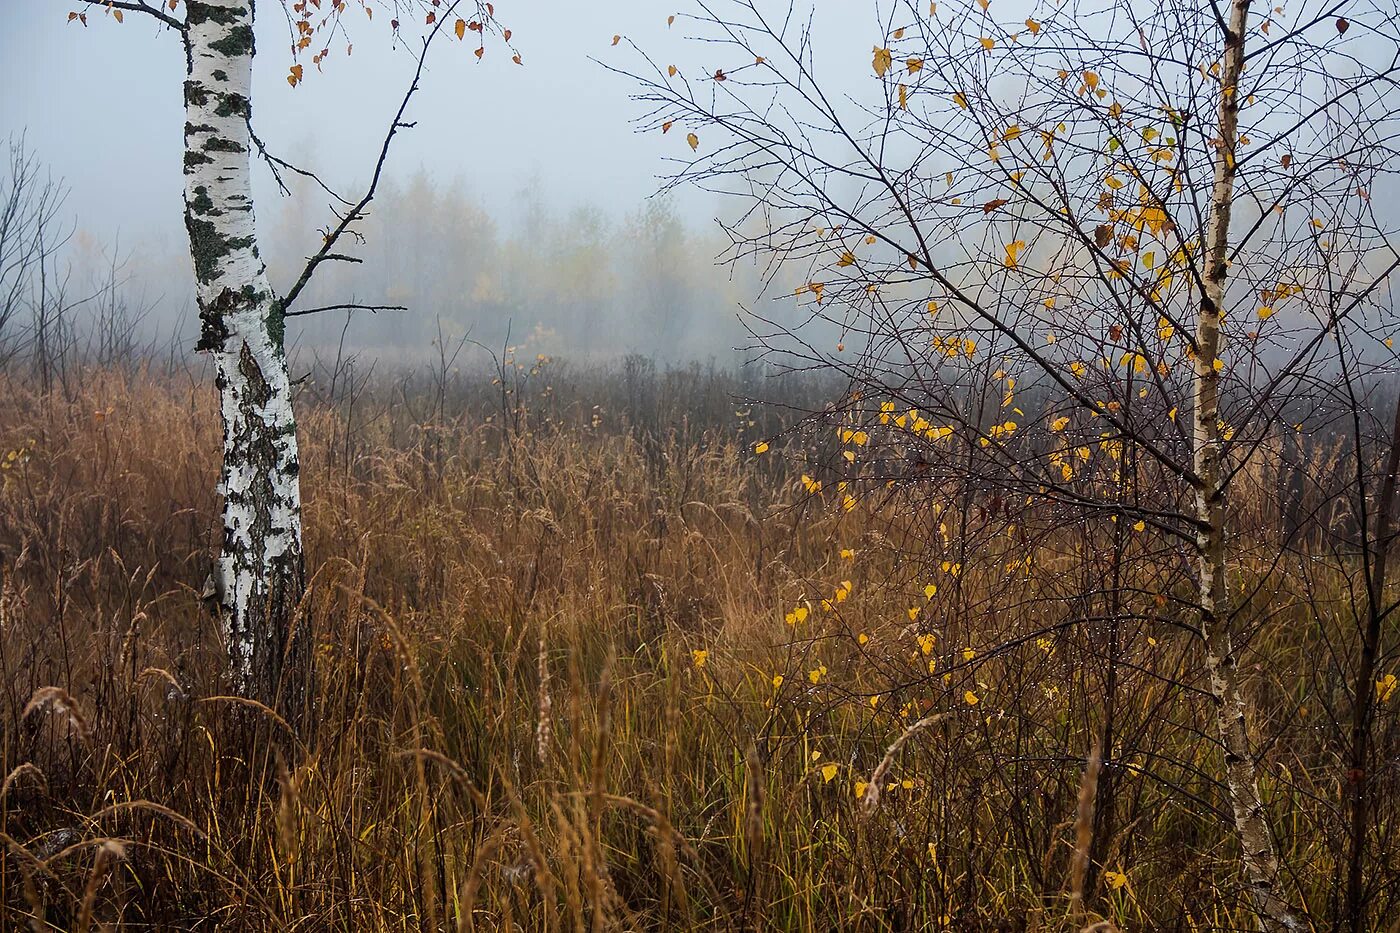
column 583, row 660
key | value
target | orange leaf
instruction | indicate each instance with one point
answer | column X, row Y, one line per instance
column 693, row 140
column 616, row 40
column 460, row 28
column 882, row 61
column 294, row 78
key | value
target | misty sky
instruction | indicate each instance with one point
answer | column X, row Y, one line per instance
column 102, row 108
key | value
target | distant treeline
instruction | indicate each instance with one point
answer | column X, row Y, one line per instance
column 583, row 281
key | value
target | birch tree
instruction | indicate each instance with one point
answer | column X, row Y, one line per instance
column 1092, row 256
column 259, row 576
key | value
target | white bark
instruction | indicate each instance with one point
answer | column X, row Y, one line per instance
column 1251, row 821
column 260, row 570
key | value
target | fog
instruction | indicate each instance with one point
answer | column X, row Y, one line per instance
column 522, row 200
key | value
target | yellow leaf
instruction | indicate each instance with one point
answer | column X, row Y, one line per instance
column 693, row 140
column 914, row 65
column 829, row 772
column 1265, row 313
column 671, row 70
column 616, row 40
column 761, row 447
column 1011, row 250
column 460, row 28
column 699, row 657
column 882, row 61
column 294, row 78
column 1033, row 26
column 987, row 44
column 847, row 258
column 903, row 97
column 970, row 698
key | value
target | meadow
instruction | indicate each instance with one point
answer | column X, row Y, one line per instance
column 602, row 649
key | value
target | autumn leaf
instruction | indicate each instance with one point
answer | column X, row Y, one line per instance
column 671, row 70
column 988, row 44
column 693, row 140
column 903, row 97
column 993, row 205
column 294, row 78
column 117, row 15
column 914, row 65
column 666, row 127
column 1011, row 250
column 616, row 40
column 460, row 28
column 1033, row 26
column 1103, row 235
column 882, row 61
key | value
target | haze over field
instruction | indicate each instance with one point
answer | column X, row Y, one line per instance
column 523, row 196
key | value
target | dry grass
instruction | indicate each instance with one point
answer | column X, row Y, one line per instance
column 512, row 726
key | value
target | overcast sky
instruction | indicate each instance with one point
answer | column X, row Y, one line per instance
column 102, row 107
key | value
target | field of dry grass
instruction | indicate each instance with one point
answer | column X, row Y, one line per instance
column 596, row 665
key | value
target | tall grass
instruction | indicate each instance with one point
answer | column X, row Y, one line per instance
column 561, row 682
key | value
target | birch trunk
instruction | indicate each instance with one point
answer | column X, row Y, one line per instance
column 260, row 573
column 1256, row 840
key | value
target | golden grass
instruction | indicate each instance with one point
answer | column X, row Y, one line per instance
column 554, row 689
